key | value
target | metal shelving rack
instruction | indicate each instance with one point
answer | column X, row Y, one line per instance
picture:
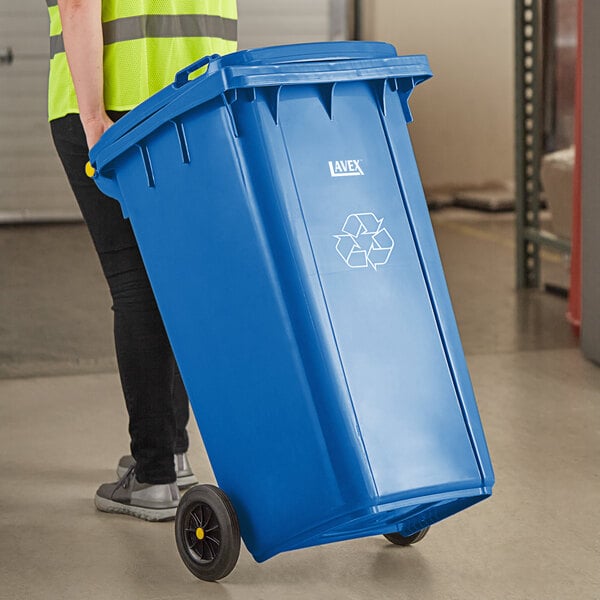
column 529, row 138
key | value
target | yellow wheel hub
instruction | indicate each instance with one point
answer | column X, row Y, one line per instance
column 200, row 533
column 89, row 170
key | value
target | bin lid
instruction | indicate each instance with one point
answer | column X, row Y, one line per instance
column 319, row 62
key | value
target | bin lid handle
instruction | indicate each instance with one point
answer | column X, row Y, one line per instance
column 183, row 76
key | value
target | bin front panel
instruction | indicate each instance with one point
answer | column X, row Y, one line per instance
column 388, row 340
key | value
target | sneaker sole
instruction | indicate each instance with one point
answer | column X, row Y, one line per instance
column 141, row 512
column 186, row 481
column 182, row 482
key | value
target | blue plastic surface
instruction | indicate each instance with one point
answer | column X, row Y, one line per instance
column 280, row 215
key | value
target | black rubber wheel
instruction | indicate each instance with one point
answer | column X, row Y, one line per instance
column 401, row 540
column 207, row 532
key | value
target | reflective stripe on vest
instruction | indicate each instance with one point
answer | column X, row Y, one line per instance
column 159, row 26
column 142, row 52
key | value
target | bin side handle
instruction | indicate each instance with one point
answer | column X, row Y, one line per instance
column 182, row 77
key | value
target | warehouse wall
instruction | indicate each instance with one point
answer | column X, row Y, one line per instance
column 463, row 129
column 32, row 182
column 262, row 23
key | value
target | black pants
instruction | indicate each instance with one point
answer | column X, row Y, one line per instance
column 154, row 394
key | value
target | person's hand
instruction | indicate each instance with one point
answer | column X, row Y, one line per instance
column 94, row 127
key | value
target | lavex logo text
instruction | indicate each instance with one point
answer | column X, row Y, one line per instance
column 345, row 168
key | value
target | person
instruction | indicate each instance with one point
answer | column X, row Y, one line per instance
column 107, row 56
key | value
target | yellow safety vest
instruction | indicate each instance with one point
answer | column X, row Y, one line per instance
column 145, row 43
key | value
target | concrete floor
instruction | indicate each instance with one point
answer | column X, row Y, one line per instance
column 62, row 428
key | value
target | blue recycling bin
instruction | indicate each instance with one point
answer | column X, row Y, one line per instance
column 279, row 212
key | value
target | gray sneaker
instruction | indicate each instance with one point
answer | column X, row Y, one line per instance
column 185, row 476
column 152, row 502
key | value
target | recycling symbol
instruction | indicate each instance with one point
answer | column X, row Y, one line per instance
column 364, row 241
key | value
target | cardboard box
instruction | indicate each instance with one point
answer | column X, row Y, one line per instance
column 557, row 181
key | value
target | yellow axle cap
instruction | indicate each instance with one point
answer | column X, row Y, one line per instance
column 200, row 533
column 89, row 170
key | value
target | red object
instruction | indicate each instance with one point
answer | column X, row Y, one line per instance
column 574, row 308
